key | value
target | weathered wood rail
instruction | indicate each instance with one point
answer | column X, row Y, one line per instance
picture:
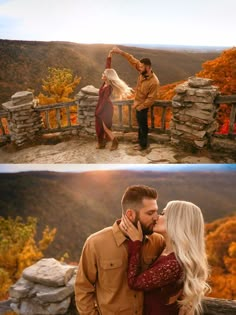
column 124, row 118
column 211, row 306
column 228, row 99
column 129, row 126
column 120, row 125
column 46, row 109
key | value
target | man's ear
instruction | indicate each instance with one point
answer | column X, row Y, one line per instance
column 131, row 214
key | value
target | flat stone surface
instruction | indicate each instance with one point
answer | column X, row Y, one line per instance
column 20, row 289
column 83, row 151
column 90, row 89
column 199, row 82
column 162, row 155
column 197, row 160
column 52, row 295
column 49, row 272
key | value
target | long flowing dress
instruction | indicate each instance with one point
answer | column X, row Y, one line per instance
column 104, row 108
column 160, row 283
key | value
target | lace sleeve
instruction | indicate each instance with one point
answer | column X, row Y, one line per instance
column 161, row 273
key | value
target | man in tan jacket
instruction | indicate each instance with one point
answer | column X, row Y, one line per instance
column 145, row 94
column 101, row 285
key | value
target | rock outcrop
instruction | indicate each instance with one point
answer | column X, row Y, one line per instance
column 45, row 288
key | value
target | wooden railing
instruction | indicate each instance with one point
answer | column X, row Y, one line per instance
column 56, row 108
column 124, row 116
column 121, row 123
column 130, row 125
column 211, row 306
column 228, row 99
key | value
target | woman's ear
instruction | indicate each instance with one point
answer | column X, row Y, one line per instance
column 131, row 214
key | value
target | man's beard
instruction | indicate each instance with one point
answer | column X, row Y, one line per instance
column 146, row 230
column 144, row 72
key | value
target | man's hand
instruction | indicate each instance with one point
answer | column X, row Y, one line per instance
column 116, row 50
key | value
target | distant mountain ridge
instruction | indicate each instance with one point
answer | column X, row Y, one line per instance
column 190, row 48
column 23, row 64
column 79, row 204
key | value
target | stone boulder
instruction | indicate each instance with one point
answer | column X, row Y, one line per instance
column 49, row 272
column 45, row 288
column 90, row 90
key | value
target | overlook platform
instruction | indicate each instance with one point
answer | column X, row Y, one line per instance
column 82, row 150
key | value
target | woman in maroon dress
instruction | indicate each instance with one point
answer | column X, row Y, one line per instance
column 112, row 86
column 181, row 270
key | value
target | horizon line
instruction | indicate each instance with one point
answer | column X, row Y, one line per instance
column 123, row 44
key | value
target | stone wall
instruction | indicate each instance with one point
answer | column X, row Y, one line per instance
column 194, row 112
column 193, row 123
column 87, row 100
column 45, row 288
column 24, row 122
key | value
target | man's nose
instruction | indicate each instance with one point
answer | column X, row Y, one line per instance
column 155, row 216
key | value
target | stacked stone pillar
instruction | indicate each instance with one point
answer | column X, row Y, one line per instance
column 194, row 113
column 24, row 122
column 45, row 288
column 87, row 100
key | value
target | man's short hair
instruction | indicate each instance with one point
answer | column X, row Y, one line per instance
column 134, row 195
column 146, row 61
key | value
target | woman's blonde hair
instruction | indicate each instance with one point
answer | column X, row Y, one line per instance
column 120, row 88
column 185, row 227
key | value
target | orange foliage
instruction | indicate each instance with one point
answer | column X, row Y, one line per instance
column 222, row 70
column 18, row 249
column 167, row 91
column 59, row 85
column 221, row 250
column 5, row 126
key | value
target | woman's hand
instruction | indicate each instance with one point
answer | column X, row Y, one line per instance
column 135, row 234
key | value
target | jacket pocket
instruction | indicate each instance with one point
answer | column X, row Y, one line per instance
column 111, row 264
column 112, row 272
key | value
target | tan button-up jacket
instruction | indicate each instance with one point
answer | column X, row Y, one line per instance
column 147, row 87
column 101, row 285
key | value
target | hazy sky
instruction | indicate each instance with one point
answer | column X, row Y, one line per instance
column 182, row 22
column 9, row 168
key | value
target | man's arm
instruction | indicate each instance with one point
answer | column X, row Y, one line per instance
column 130, row 58
column 86, row 277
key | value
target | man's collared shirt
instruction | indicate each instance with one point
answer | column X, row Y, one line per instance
column 147, row 86
column 101, row 285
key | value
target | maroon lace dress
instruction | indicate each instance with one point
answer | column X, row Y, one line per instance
column 104, row 108
column 160, row 282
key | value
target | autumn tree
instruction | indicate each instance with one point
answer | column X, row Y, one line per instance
column 222, row 71
column 58, row 87
column 221, row 250
column 19, row 249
